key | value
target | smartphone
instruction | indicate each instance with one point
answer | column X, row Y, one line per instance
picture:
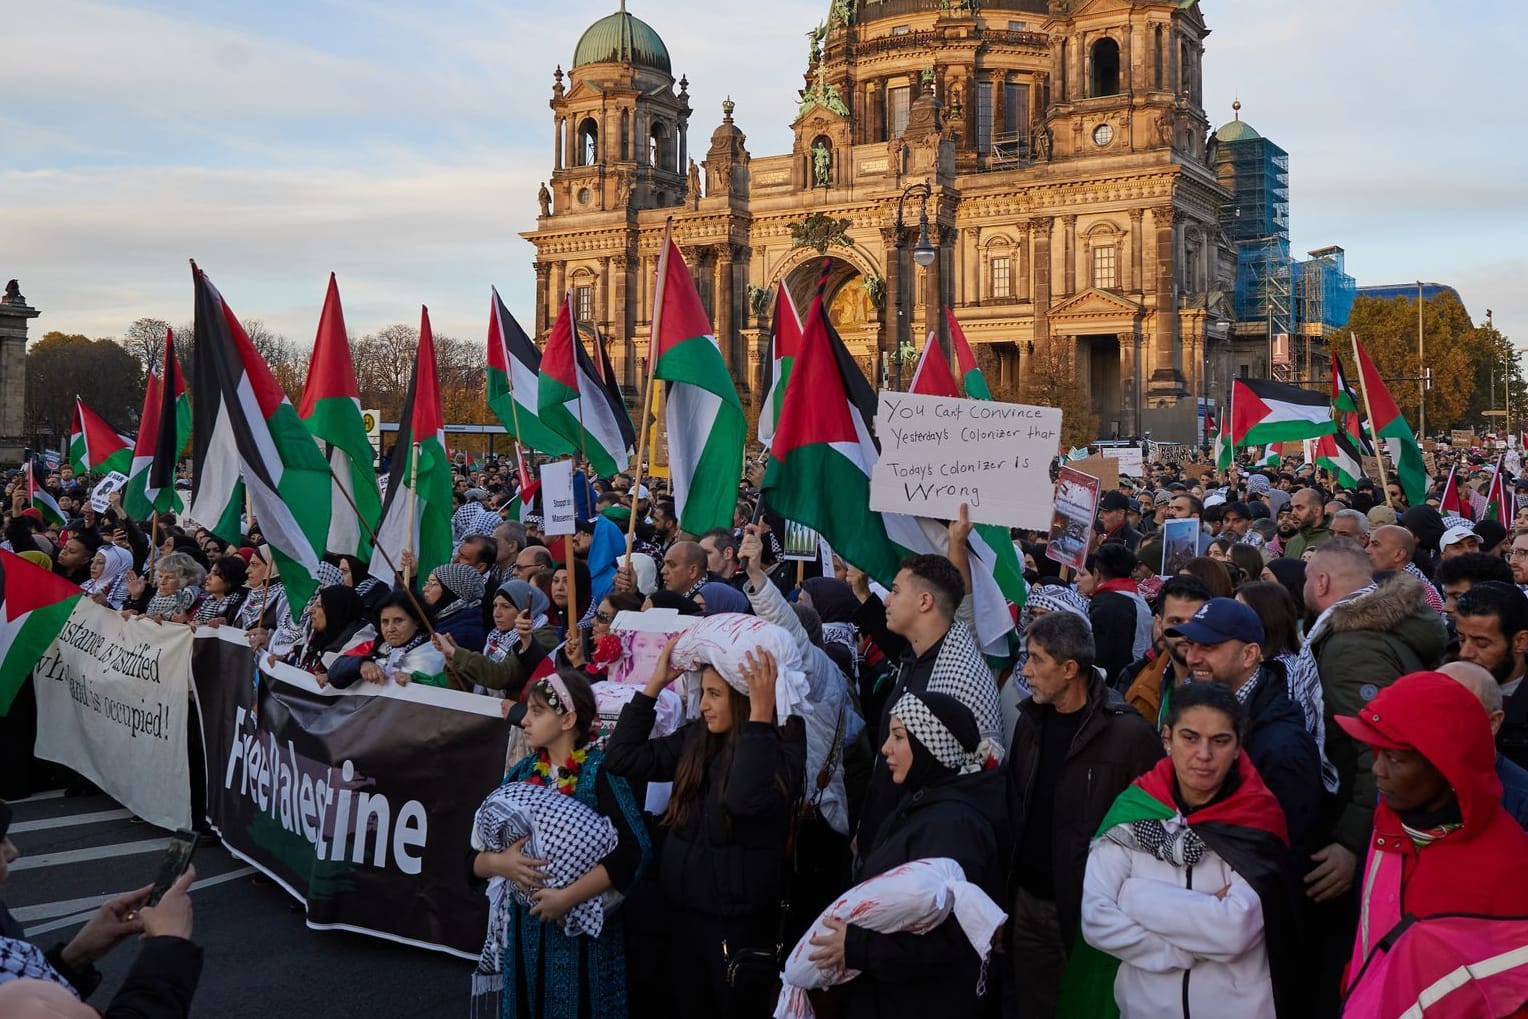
column 176, row 859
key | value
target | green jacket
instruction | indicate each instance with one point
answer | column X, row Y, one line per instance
column 1367, row 644
column 1308, row 537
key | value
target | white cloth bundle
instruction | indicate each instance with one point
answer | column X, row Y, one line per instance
column 723, row 642
column 569, row 836
column 913, row 898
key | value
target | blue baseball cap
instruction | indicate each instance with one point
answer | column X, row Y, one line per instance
column 1219, row 620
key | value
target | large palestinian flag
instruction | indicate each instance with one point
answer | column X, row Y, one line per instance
column 95, row 445
column 246, row 430
column 1264, row 412
column 417, row 514
column 702, row 413
column 819, row 475
column 514, row 368
column 1390, row 428
column 784, row 344
column 34, row 606
column 331, row 410
column 574, row 402
column 973, row 384
column 163, row 432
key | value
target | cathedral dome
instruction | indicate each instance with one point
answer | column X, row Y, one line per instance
column 1237, row 130
column 621, row 38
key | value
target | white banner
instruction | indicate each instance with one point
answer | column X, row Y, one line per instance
column 1131, row 461
column 113, row 702
column 938, row 452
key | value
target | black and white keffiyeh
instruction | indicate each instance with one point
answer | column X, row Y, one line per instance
column 961, row 671
column 1171, row 841
column 935, row 737
column 21, row 960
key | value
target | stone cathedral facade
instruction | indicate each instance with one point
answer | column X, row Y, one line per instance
column 1072, row 200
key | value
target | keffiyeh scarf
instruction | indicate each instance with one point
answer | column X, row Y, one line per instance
column 1171, row 841
column 935, row 737
column 212, row 608
column 20, row 960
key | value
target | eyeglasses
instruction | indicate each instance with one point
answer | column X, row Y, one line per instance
column 603, row 617
column 1518, row 553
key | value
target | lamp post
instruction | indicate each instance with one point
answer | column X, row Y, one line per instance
column 924, row 254
column 1421, row 371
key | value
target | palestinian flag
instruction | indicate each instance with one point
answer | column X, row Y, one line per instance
column 331, row 410
column 784, row 345
column 149, row 488
column 614, row 401
column 1224, row 453
column 417, row 514
column 932, row 376
column 1498, row 500
column 823, row 445
column 1247, row 831
column 246, row 430
column 973, row 384
column 1346, row 410
column 1211, row 431
column 36, row 607
column 1263, row 412
column 524, row 499
column 44, row 503
column 1388, row 426
column 1341, row 458
column 572, row 401
column 95, row 445
column 1452, row 503
column 514, row 365
column 1270, row 457
column 702, row 412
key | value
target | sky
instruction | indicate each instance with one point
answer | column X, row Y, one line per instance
column 400, row 144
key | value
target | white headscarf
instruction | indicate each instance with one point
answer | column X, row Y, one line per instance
column 723, row 642
column 118, row 561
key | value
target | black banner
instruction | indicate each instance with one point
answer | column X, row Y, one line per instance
column 359, row 804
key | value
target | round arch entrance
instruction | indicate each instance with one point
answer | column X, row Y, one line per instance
column 850, row 308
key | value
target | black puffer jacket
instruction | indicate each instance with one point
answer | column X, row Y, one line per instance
column 1113, row 747
column 936, row 973
column 728, row 858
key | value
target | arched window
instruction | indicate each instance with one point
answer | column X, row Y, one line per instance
column 1105, row 68
column 657, row 146
column 588, row 142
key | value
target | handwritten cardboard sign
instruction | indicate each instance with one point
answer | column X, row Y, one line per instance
column 938, row 452
column 1104, row 468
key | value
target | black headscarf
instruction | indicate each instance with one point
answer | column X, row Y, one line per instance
column 344, row 614
column 833, row 599
column 957, row 718
column 1291, row 574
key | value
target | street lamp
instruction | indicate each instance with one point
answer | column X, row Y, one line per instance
column 924, row 254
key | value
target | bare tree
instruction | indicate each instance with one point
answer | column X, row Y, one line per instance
column 144, row 339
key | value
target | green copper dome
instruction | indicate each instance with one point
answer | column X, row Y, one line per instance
column 1237, row 130
column 621, row 38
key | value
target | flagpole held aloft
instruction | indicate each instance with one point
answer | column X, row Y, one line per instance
column 1379, row 450
column 644, row 426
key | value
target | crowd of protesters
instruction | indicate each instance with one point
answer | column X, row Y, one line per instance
column 1251, row 787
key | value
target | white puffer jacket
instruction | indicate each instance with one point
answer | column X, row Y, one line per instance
column 1183, row 951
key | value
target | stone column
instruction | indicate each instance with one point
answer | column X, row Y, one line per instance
column 559, row 291
column 1135, row 250
column 15, row 312
column 1069, row 250
column 1166, row 378
column 722, row 318
column 557, row 137
column 1041, row 268
column 1130, row 379
column 891, row 334
column 543, row 281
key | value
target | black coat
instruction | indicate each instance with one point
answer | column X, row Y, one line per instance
column 935, row 973
column 1112, row 748
column 161, row 982
column 728, row 858
column 1285, row 754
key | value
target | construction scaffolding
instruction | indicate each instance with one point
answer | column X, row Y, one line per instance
column 1324, row 292
column 1256, row 172
column 1263, row 284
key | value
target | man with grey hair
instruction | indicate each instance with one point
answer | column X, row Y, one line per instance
column 1349, row 523
column 1075, row 748
column 1477, row 679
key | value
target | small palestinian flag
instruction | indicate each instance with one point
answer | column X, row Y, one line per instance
column 1452, row 503
column 95, row 445
column 973, row 384
column 514, row 367
column 1391, row 429
column 1263, row 412
column 1498, row 499
column 573, row 401
column 36, row 605
column 1338, row 454
column 163, row 432
column 41, row 501
column 933, row 377
column 784, row 346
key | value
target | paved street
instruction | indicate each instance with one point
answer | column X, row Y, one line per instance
column 261, row 960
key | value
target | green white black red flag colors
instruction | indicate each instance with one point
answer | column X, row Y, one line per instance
column 1263, row 412
column 574, row 402
column 417, row 514
column 514, row 368
column 163, row 432
column 95, row 445
column 702, row 412
column 40, row 499
column 34, row 606
column 331, row 411
column 1452, row 503
column 246, row 429
column 1224, row 453
column 1498, row 505
column 973, row 384
column 784, row 345
column 819, row 474
column 932, row 376
column 1390, row 428
column 1341, row 458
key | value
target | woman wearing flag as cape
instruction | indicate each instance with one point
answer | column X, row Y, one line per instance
column 1186, row 886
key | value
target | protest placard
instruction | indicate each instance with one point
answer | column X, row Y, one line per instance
column 938, row 452
column 1129, row 460
column 112, row 703
column 100, row 496
column 1071, row 528
column 1104, row 468
column 1180, row 543
column 801, row 542
column 558, row 516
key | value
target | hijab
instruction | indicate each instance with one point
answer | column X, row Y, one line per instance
column 462, row 588
column 118, row 561
column 344, row 614
column 833, row 599
column 528, row 598
column 944, row 738
column 721, row 597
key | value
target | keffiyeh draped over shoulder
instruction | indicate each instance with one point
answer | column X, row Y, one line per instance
column 724, row 641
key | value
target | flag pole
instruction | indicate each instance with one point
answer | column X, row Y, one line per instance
column 413, row 506
column 647, row 383
column 1379, row 450
column 514, row 405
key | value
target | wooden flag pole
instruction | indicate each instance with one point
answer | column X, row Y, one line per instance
column 573, row 632
column 408, row 569
column 647, row 384
column 1379, row 449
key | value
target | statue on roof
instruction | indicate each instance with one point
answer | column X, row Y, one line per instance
column 822, row 164
column 545, row 198
column 843, row 13
column 815, row 38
